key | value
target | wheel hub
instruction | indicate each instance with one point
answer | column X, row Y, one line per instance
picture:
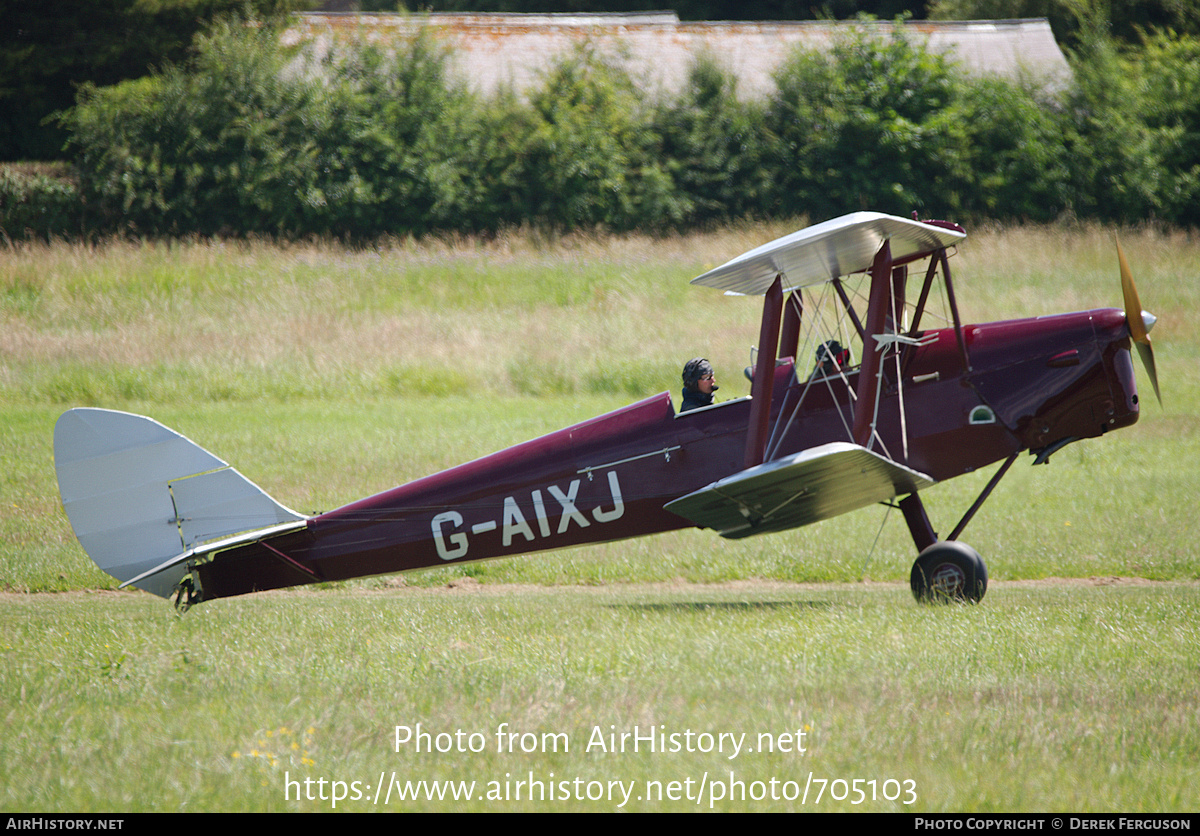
column 948, row 580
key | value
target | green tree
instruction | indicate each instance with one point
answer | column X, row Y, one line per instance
column 253, row 137
column 869, row 124
column 1016, row 142
column 1119, row 163
column 405, row 146
column 229, row 142
column 588, row 157
column 716, row 147
column 1168, row 75
column 48, row 51
column 1126, row 19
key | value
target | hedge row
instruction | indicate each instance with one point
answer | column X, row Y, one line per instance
column 251, row 137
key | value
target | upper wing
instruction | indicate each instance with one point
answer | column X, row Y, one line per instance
column 826, row 251
column 804, row 488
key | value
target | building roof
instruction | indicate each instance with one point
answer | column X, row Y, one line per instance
column 492, row 50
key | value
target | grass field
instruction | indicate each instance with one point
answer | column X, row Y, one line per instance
column 1054, row 697
column 325, row 374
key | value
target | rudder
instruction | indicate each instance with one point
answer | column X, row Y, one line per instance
column 138, row 494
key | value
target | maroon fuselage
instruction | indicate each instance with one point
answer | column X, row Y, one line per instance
column 1031, row 384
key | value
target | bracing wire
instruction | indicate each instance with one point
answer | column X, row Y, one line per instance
column 862, row 572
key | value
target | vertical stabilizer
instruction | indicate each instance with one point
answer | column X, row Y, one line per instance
column 138, row 494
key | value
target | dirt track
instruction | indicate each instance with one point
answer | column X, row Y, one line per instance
column 470, row 586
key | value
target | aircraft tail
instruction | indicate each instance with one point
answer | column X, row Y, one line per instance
column 143, row 499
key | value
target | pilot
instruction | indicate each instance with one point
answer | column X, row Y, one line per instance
column 699, row 383
column 831, row 359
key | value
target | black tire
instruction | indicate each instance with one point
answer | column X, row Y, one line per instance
column 949, row 571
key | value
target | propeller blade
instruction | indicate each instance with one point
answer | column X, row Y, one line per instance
column 1147, row 355
column 1136, row 323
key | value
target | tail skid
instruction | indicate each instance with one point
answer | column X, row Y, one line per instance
column 144, row 499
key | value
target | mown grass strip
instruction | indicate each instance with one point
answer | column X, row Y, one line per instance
column 1062, row 696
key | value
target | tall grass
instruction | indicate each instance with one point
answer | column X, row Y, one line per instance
column 229, row 321
column 218, row 320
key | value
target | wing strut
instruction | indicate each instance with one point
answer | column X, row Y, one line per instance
column 878, row 309
column 789, row 338
column 762, row 389
column 958, row 329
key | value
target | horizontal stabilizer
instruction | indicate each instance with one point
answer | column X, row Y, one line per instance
column 139, row 494
column 808, row 487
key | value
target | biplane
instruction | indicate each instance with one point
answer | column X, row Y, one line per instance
column 923, row 401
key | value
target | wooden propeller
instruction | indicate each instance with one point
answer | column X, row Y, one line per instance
column 1140, row 322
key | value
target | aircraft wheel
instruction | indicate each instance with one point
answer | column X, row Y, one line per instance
column 949, row 571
